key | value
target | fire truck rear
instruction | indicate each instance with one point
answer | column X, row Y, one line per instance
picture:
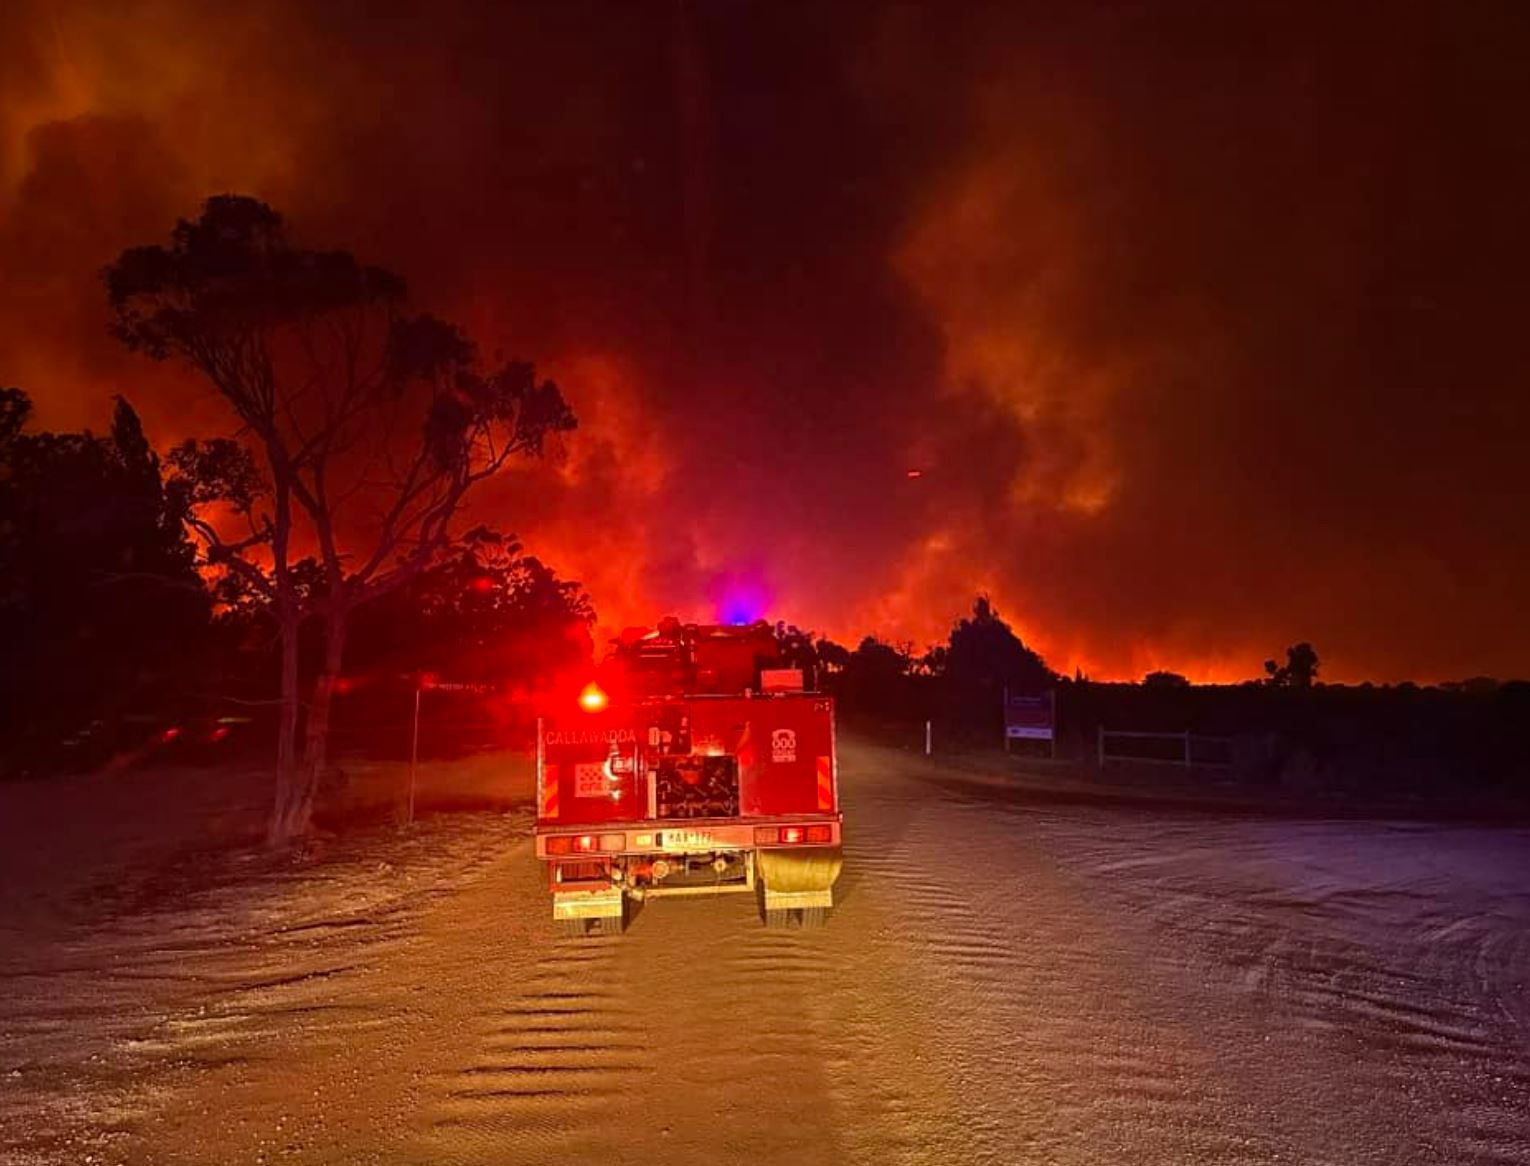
column 695, row 764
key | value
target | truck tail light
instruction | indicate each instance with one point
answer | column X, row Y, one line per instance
column 793, row 835
column 585, row 843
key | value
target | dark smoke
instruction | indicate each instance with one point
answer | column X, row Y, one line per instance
column 1200, row 321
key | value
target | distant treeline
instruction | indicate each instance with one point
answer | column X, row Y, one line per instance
column 115, row 640
column 1285, row 728
column 1399, row 739
column 960, row 682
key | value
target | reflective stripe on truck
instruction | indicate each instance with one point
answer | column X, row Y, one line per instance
column 547, row 805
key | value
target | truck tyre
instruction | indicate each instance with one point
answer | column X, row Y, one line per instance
column 777, row 918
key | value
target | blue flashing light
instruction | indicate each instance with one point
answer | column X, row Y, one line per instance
column 741, row 601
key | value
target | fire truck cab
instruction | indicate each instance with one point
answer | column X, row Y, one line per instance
column 694, row 764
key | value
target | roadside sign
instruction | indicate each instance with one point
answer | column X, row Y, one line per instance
column 1029, row 717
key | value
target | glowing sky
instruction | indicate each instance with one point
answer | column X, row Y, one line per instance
column 1201, row 322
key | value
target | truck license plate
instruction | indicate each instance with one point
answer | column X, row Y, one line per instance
column 687, row 840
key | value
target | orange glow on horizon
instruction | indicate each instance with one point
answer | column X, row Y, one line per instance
column 1116, row 466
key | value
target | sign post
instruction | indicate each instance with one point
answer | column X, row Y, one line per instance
column 1030, row 718
column 423, row 681
column 414, row 751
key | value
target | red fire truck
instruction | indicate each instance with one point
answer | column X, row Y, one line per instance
column 694, row 764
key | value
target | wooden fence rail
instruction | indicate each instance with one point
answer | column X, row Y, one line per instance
column 1186, row 753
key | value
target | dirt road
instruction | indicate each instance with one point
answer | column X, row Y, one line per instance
column 1007, row 980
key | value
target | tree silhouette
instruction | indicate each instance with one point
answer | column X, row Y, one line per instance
column 984, row 652
column 798, row 650
column 875, row 679
column 101, row 607
column 486, row 614
column 878, row 661
column 983, row 657
column 1299, row 671
column 1165, row 680
column 832, row 658
column 15, row 409
column 933, row 662
column 360, row 432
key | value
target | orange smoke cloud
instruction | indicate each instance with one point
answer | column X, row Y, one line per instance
column 1164, row 325
column 114, row 121
column 1184, row 340
column 593, row 509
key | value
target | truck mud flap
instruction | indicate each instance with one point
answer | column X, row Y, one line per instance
column 799, row 880
column 599, row 912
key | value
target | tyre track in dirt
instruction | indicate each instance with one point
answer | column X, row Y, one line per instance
column 999, row 983
column 544, row 1050
column 1050, row 1048
column 223, row 1022
column 700, row 1036
column 1384, row 963
column 686, row 1038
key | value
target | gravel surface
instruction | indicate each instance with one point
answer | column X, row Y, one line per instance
column 1007, row 979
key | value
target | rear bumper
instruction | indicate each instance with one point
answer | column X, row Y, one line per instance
column 695, row 836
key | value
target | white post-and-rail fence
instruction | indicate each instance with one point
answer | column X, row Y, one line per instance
column 1186, row 753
